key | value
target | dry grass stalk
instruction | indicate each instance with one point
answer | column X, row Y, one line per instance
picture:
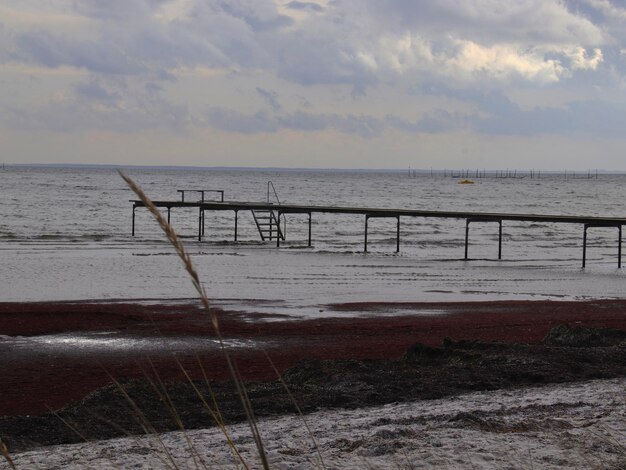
column 147, row 427
column 295, row 403
column 180, row 249
column 213, row 411
column 164, row 396
column 72, row 426
column 5, row 453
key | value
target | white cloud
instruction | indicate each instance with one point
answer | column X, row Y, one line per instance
column 502, row 62
column 406, row 52
column 343, row 42
column 488, row 21
column 581, row 60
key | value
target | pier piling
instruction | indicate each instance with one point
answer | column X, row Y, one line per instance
column 483, row 219
column 619, row 240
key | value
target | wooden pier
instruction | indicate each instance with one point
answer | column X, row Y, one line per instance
column 280, row 210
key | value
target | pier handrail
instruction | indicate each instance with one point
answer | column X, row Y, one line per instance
column 201, row 191
column 271, row 185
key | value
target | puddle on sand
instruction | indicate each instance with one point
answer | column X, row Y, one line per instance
column 114, row 343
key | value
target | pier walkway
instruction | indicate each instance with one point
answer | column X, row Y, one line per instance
column 470, row 217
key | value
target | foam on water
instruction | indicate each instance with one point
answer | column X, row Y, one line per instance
column 65, row 235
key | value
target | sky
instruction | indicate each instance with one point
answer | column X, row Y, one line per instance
column 321, row 83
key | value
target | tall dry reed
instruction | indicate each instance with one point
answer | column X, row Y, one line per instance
column 180, row 249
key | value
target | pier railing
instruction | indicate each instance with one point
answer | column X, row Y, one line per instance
column 271, row 185
column 201, row 191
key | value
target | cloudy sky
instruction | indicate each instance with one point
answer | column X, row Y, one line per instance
column 320, row 83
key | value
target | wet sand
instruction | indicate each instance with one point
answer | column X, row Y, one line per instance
column 56, row 353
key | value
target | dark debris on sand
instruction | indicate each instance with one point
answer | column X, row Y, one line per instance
column 566, row 355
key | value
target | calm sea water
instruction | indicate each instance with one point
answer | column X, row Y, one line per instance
column 65, row 235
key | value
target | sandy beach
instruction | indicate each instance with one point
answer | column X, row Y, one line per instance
column 556, row 427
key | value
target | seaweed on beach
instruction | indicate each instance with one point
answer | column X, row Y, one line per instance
column 423, row 373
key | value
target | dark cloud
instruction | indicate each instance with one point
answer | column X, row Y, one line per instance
column 318, row 60
column 259, row 15
column 234, row 121
column 262, row 122
column 75, row 116
column 497, row 115
column 270, row 97
column 362, row 125
column 120, row 10
column 101, row 105
column 94, row 90
column 577, row 118
column 153, row 88
column 214, row 34
column 437, row 122
column 307, row 122
column 53, row 51
column 307, row 6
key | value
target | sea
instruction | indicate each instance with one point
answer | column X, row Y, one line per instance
column 65, row 235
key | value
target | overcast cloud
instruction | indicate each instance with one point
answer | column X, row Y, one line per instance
column 257, row 81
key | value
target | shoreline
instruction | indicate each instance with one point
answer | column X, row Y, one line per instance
column 59, row 352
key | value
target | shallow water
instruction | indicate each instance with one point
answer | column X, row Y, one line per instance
column 65, row 235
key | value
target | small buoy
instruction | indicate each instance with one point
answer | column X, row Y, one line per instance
column 466, row 182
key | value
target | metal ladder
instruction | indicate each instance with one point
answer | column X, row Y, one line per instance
column 266, row 220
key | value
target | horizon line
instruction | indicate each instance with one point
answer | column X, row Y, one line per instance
column 324, row 169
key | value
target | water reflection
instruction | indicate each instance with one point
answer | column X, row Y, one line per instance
column 112, row 342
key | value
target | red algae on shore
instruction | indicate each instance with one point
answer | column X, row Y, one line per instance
column 33, row 379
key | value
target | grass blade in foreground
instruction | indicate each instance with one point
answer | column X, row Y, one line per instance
column 5, row 453
column 195, row 279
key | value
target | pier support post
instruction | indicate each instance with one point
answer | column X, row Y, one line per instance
column 500, row 239
column 619, row 248
column 278, row 214
column 200, row 224
column 133, row 232
column 585, row 245
column 467, row 223
column 169, row 209
column 309, row 229
column 398, row 235
column 367, row 218
column 236, row 217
